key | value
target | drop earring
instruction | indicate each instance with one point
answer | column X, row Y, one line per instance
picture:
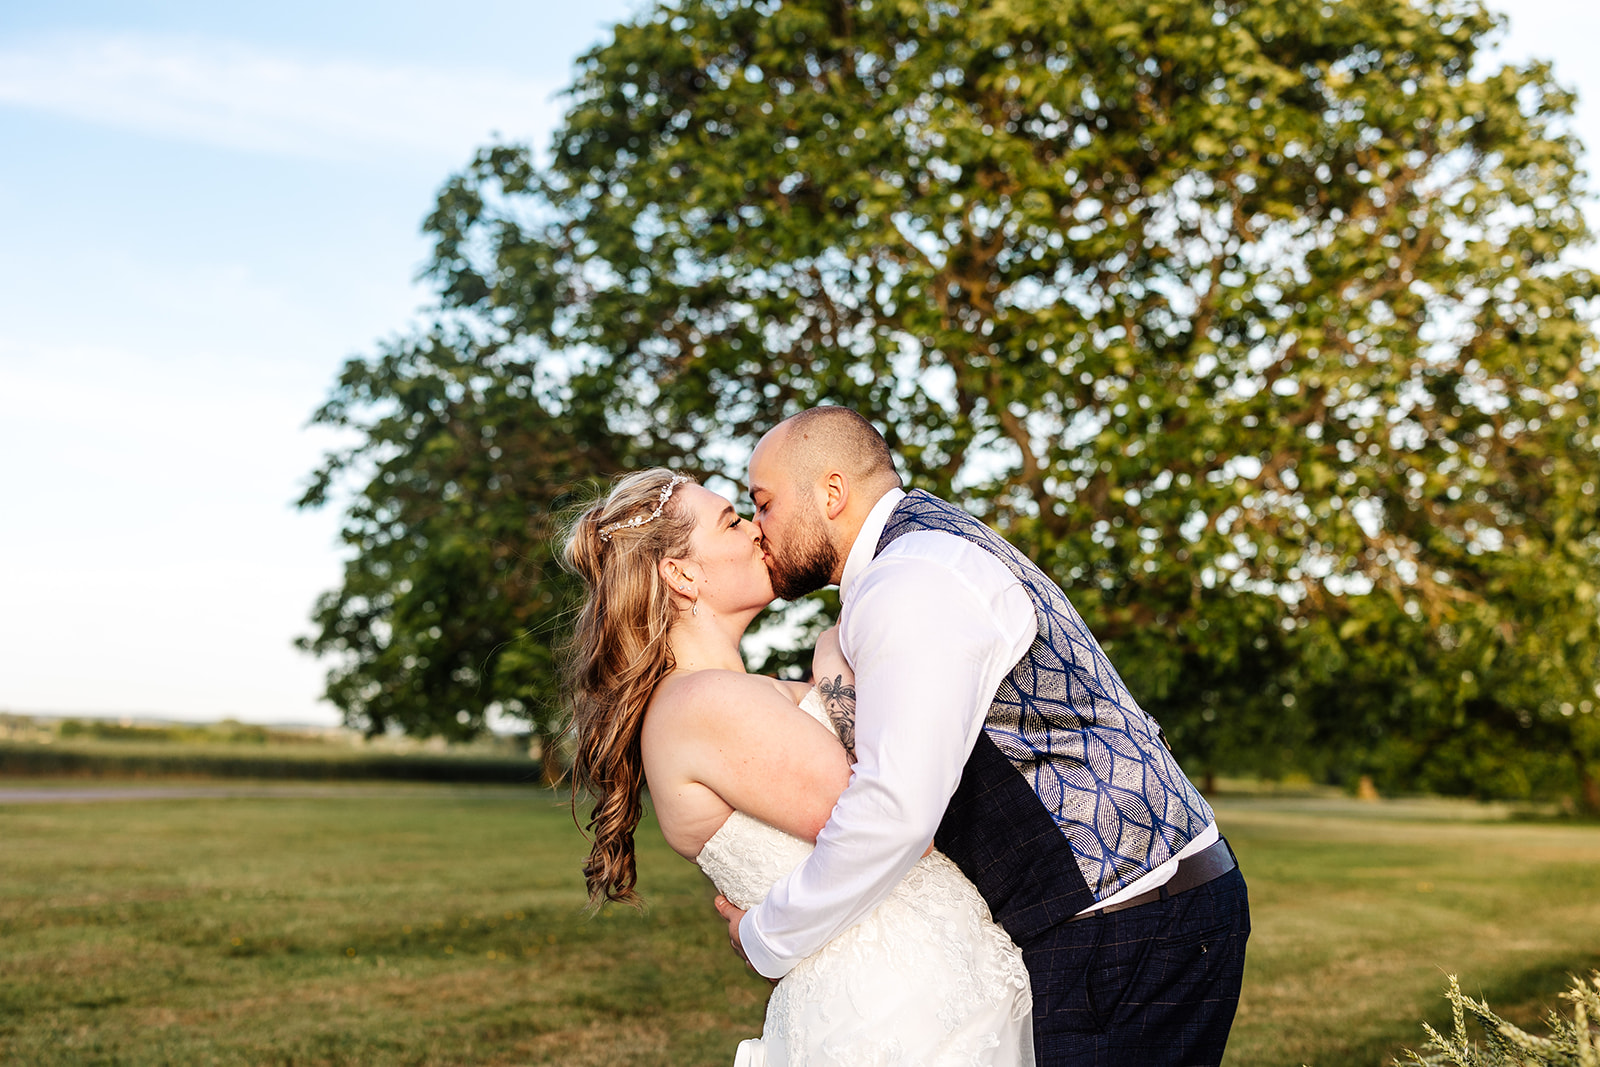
column 695, row 610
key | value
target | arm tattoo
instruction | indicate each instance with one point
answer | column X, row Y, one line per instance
column 839, row 698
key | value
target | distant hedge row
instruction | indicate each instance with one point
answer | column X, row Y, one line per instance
column 36, row 759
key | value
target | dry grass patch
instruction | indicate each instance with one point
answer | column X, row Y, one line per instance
column 1358, row 916
column 443, row 926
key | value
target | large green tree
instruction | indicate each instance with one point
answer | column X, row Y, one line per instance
column 452, row 599
column 1250, row 321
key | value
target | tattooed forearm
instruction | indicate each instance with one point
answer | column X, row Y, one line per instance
column 839, row 698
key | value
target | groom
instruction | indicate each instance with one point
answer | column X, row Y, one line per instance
column 991, row 723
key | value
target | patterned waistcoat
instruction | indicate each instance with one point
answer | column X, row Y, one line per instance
column 1071, row 792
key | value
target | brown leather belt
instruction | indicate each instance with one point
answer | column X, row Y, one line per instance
column 1193, row 871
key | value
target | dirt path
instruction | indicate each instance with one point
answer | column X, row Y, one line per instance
column 86, row 794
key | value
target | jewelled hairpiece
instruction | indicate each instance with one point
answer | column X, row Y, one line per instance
column 640, row 520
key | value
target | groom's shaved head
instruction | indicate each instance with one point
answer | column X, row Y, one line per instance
column 808, row 517
column 834, row 438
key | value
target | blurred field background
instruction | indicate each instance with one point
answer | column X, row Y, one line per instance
column 437, row 924
column 88, row 747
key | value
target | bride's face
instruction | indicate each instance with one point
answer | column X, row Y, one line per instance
column 726, row 555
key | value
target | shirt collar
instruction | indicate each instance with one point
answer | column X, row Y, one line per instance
column 866, row 542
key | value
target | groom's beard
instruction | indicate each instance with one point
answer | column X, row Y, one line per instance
column 806, row 564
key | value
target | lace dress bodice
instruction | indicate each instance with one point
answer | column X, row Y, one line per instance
column 927, row 978
column 746, row 857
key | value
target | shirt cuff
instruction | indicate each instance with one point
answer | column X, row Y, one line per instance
column 755, row 950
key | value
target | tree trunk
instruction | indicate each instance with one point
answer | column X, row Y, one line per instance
column 1589, row 787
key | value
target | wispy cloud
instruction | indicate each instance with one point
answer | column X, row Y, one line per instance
column 228, row 94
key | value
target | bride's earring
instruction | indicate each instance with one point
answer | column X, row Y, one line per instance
column 696, row 609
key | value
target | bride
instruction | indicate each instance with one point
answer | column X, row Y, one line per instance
column 743, row 771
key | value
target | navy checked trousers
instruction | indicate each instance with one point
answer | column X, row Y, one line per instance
column 1151, row 986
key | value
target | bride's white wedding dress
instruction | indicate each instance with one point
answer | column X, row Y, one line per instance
column 928, row 978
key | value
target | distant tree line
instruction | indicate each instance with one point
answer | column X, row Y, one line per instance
column 1251, row 322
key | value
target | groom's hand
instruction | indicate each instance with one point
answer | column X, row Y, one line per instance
column 733, row 914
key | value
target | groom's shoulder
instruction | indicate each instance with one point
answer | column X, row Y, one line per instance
column 922, row 557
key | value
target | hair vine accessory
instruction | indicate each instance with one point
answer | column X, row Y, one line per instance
column 640, row 520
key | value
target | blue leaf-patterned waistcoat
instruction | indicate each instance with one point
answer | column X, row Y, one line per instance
column 1071, row 792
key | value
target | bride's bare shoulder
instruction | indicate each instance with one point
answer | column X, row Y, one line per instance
column 716, row 692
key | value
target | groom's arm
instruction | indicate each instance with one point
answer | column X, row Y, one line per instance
column 931, row 631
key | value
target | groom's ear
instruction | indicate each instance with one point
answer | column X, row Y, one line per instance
column 836, row 494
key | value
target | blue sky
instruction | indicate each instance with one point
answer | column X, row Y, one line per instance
column 206, row 209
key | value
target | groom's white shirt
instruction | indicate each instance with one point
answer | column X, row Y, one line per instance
column 931, row 628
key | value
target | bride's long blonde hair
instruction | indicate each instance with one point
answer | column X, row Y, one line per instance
column 619, row 652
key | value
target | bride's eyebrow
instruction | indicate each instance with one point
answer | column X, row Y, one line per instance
column 725, row 513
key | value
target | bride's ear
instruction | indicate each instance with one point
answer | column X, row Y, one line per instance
column 671, row 571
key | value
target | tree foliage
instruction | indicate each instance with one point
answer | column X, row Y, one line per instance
column 1249, row 321
column 452, row 598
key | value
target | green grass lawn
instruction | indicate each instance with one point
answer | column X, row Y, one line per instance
column 443, row 925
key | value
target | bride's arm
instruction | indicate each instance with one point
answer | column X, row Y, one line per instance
column 742, row 737
column 836, row 685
